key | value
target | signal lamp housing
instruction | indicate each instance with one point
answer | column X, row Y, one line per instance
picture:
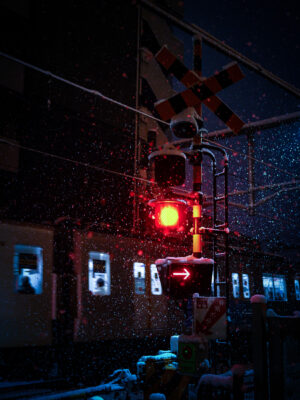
column 184, row 125
column 169, row 215
column 168, row 166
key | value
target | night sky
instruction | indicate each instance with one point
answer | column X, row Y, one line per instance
column 267, row 33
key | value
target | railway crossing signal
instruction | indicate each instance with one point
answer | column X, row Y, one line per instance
column 198, row 91
column 182, row 276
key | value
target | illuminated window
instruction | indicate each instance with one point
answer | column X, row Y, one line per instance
column 99, row 273
column 28, row 269
column 139, row 278
column 156, row 288
column 235, row 285
column 274, row 287
column 297, row 288
column 246, row 287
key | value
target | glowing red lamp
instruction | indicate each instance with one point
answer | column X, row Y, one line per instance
column 169, row 214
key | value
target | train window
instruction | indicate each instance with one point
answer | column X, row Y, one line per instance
column 139, row 278
column 246, row 287
column 280, row 288
column 156, row 288
column 297, row 288
column 274, row 287
column 235, row 285
column 99, row 273
column 28, row 269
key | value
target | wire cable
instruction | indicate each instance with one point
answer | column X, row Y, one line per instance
column 109, row 99
column 110, row 171
column 81, row 163
column 83, row 88
column 252, row 158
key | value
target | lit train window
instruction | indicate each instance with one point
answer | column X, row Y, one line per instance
column 297, row 288
column 246, row 287
column 235, row 285
column 280, row 288
column 99, row 273
column 139, row 278
column 156, row 288
column 274, row 287
column 28, row 269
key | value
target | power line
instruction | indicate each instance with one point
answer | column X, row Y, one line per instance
column 252, row 158
column 109, row 171
column 109, row 99
column 80, row 87
column 81, row 163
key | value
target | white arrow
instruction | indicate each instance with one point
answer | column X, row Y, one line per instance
column 186, row 274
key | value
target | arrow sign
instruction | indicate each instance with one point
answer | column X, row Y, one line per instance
column 186, row 274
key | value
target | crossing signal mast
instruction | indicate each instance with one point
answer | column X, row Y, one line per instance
column 183, row 276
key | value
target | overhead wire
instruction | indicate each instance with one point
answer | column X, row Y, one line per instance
column 81, row 163
column 105, row 170
column 133, row 109
column 252, row 158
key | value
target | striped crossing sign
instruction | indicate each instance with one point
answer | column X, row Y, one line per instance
column 198, row 91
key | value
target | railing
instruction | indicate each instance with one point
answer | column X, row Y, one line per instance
column 276, row 354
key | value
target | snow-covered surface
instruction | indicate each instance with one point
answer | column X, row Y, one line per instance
column 121, row 376
column 259, row 298
column 157, row 396
column 159, row 357
column 174, row 343
column 184, row 260
column 271, row 313
column 105, row 391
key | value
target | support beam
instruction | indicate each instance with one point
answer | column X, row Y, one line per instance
column 253, row 127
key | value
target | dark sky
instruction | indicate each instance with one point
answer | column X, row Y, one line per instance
column 268, row 33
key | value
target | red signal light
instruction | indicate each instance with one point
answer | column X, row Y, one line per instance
column 169, row 214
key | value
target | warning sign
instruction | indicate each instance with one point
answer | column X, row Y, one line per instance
column 210, row 317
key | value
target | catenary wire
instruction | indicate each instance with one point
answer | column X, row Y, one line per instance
column 81, row 163
column 109, row 99
column 102, row 169
column 83, row 88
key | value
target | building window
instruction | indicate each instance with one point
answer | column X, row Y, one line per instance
column 235, row 285
column 28, row 269
column 139, row 278
column 99, row 273
column 297, row 288
column 246, row 286
column 274, row 287
column 156, row 288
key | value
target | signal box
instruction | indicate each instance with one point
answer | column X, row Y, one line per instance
column 168, row 166
column 182, row 276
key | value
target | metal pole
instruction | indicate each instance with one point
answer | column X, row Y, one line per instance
column 197, row 206
column 137, row 124
column 197, row 64
column 251, row 174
